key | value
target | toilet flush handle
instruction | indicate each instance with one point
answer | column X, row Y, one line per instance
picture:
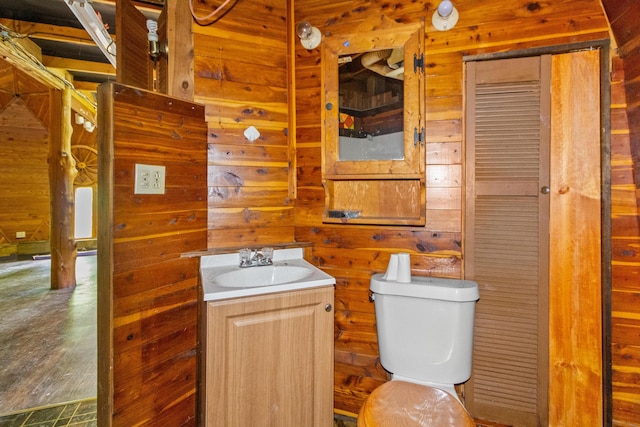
column 372, row 296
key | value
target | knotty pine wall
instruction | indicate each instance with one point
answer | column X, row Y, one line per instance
column 352, row 254
column 625, row 243
column 625, row 219
column 148, row 292
column 24, row 147
column 24, row 170
column 241, row 76
column 24, row 176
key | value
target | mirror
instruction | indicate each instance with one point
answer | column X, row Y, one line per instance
column 371, row 102
column 372, row 109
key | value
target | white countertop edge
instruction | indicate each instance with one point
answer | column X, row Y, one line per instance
column 221, row 293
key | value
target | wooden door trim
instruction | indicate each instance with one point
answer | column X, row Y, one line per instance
column 105, row 260
column 544, row 213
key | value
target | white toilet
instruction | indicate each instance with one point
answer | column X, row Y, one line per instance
column 425, row 328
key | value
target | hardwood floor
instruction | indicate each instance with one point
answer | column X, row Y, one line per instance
column 48, row 349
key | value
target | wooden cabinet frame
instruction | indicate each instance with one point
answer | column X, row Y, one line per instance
column 375, row 191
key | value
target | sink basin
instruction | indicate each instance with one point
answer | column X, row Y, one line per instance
column 222, row 278
column 262, row 276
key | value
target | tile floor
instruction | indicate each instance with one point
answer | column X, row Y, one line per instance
column 80, row 413
column 344, row 421
column 83, row 414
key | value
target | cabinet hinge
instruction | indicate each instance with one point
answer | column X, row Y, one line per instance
column 418, row 137
column 418, row 62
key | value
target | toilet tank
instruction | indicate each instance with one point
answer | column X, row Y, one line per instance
column 425, row 327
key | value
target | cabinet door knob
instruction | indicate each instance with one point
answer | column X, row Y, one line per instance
column 545, row 190
column 328, row 307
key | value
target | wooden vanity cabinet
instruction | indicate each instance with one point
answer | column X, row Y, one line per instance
column 268, row 360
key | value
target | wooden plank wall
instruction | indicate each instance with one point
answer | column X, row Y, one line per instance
column 625, row 219
column 625, row 177
column 24, row 183
column 241, row 75
column 148, row 293
column 353, row 253
column 24, row 187
column 625, row 243
column 624, row 16
column 24, row 176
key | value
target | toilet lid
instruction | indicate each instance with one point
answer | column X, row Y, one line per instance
column 403, row 404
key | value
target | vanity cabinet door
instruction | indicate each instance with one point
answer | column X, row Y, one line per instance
column 269, row 360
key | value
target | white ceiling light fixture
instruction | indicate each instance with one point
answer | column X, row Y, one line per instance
column 445, row 17
column 310, row 36
column 91, row 22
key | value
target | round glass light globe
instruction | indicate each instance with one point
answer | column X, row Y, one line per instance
column 445, row 8
column 304, row 30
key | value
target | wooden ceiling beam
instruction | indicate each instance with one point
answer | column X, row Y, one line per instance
column 35, row 30
column 9, row 54
column 150, row 6
column 86, row 87
column 38, row 72
column 74, row 36
column 79, row 65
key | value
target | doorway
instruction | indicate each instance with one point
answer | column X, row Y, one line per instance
column 84, row 213
column 48, row 337
column 534, row 237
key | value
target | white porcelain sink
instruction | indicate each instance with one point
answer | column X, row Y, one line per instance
column 262, row 276
column 222, row 277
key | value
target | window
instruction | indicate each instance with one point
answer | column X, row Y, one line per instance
column 84, row 213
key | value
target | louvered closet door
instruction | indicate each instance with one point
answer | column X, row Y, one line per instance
column 506, row 237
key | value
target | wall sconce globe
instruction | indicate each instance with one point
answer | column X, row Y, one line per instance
column 445, row 17
column 310, row 36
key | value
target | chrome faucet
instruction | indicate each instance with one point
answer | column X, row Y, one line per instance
column 255, row 257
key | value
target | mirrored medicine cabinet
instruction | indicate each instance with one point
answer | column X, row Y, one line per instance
column 373, row 126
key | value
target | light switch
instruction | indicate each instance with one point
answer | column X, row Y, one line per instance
column 149, row 179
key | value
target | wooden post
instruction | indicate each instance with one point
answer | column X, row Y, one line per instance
column 62, row 172
column 179, row 37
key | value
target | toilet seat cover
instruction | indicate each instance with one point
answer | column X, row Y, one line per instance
column 403, row 404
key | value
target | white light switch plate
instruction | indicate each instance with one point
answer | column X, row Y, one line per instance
column 149, row 179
